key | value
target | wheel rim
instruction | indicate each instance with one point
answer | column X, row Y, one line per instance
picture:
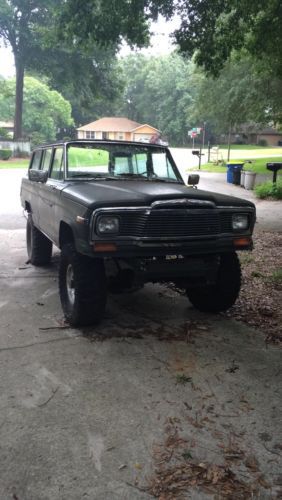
column 70, row 284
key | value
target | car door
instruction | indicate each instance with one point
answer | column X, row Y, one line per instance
column 32, row 185
column 51, row 191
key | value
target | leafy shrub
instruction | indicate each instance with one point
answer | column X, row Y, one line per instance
column 4, row 134
column 36, row 139
column 269, row 190
column 262, row 142
column 5, row 154
column 21, row 154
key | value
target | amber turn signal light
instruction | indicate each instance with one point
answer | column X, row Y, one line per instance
column 104, row 247
column 242, row 242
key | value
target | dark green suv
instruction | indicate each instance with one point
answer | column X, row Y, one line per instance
column 122, row 216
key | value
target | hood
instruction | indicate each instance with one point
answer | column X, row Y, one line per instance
column 127, row 193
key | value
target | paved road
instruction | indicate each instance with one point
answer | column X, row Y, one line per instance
column 81, row 411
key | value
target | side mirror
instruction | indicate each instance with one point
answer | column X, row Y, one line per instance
column 193, row 179
column 195, row 152
column 38, row 175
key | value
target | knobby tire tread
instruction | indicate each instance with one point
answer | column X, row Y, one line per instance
column 222, row 295
column 38, row 245
column 90, row 287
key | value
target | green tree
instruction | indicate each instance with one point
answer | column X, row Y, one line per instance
column 213, row 29
column 19, row 23
column 240, row 95
column 90, row 81
column 34, row 28
column 44, row 110
column 159, row 91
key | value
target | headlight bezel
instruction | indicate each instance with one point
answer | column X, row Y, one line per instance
column 104, row 218
column 240, row 222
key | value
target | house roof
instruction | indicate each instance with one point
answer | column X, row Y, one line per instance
column 269, row 131
column 145, row 125
column 257, row 129
column 113, row 124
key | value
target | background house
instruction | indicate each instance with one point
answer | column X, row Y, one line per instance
column 269, row 135
column 118, row 128
column 252, row 134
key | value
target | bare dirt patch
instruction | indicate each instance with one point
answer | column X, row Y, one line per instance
column 259, row 303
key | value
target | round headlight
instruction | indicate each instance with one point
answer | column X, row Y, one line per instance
column 107, row 225
column 240, row 222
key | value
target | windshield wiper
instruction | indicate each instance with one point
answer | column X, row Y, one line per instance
column 93, row 176
column 158, row 179
column 130, row 175
column 82, row 174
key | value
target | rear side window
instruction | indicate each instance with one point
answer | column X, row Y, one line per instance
column 47, row 154
column 35, row 163
column 57, row 164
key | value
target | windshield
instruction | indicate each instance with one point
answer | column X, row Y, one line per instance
column 118, row 161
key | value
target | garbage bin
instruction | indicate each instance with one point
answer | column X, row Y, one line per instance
column 250, row 178
column 242, row 181
column 234, row 168
column 237, row 176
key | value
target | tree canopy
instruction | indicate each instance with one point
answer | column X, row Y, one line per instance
column 212, row 29
column 158, row 91
column 36, row 28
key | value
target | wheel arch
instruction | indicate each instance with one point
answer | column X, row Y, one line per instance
column 27, row 207
column 66, row 234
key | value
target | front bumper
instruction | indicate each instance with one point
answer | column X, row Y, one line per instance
column 202, row 246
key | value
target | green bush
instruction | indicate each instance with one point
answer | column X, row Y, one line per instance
column 21, row 154
column 262, row 142
column 5, row 154
column 269, row 190
column 4, row 134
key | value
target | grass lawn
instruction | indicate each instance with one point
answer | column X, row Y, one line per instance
column 258, row 165
column 15, row 163
column 245, row 146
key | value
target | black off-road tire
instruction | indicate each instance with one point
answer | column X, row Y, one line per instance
column 82, row 287
column 223, row 294
column 39, row 247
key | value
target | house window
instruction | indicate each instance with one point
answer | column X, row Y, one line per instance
column 90, row 134
column 120, row 136
column 105, row 135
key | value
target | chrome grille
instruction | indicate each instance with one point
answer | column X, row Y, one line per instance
column 174, row 223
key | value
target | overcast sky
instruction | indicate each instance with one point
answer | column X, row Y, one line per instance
column 160, row 44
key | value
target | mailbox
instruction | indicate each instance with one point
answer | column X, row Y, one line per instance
column 274, row 167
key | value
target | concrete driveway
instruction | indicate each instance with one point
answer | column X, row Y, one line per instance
column 84, row 413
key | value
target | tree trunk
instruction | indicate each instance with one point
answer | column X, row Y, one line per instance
column 19, row 99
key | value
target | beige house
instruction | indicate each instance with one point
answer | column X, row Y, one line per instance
column 118, row 128
column 270, row 135
column 253, row 135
